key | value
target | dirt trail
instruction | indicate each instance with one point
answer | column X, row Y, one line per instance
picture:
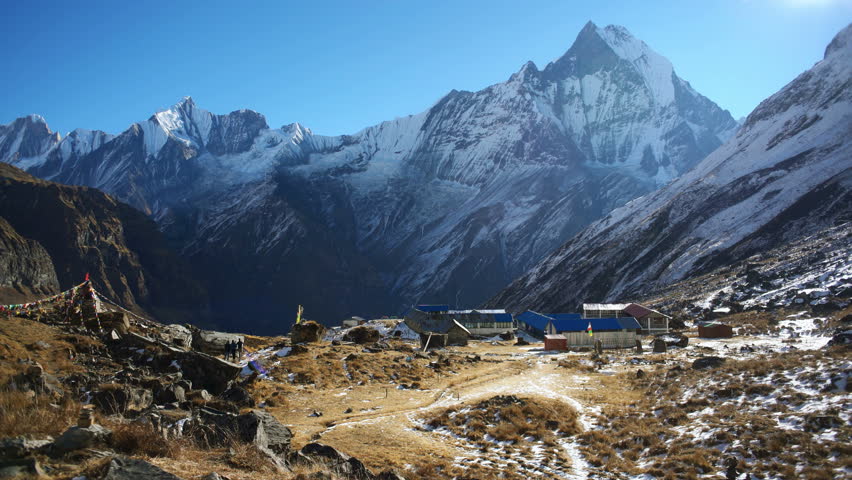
column 534, row 377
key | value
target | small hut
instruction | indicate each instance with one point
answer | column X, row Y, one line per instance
column 450, row 333
column 715, row 330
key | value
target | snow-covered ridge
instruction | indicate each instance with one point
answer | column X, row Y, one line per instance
column 790, row 155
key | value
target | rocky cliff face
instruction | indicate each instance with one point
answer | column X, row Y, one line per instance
column 26, row 269
column 62, row 232
column 448, row 205
column 784, row 176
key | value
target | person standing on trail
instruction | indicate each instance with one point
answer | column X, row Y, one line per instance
column 227, row 349
column 240, row 349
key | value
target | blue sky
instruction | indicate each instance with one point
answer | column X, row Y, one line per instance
column 337, row 67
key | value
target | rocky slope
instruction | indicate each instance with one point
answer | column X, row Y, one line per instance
column 55, row 234
column 450, row 204
column 26, row 269
column 785, row 175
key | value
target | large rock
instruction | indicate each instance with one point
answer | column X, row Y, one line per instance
column 117, row 398
column 123, row 468
column 362, row 335
column 33, row 379
column 206, row 371
column 277, row 434
column 177, row 335
column 334, row 460
column 659, row 345
column 217, row 428
column 674, row 339
column 20, row 447
column 170, row 394
column 239, row 396
column 15, row 467
column 708, row 362
column 307, row 332
column 78, row 438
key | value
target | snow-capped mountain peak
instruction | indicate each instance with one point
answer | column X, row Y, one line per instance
column 597, row 49
column 784, row 176
column 198, row 129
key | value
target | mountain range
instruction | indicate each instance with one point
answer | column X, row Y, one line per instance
column 447, row 205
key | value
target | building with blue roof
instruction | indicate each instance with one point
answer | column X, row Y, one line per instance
column 611, row 332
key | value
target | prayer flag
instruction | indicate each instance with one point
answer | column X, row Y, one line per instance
column 589, row 329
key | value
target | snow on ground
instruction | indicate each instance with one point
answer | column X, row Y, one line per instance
column 534, row 383
column 798, row 331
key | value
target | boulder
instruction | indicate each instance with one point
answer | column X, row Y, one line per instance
column 674, row 339
column 170, row 394
column 307, row 332
column 124, row 468
column 199, row 396
column 239, row 396
column 78, row 438
column 217, row 428
column 707, row 362
column 14, row 467
column 334, row 460
column 115, row 398
column 178, row 335
column 205, row 371
column 33, row 379
column 20, row 447
column 659, row 345
column 278, row 436
column 520, row 342
column 362, row 335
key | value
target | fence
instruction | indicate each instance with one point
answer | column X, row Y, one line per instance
column 619, row 339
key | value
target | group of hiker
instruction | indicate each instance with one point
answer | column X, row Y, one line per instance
column 234, row 350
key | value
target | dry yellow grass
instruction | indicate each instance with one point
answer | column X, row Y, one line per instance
column 22, row 413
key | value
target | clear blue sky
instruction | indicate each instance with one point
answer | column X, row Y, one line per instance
column 337, row 67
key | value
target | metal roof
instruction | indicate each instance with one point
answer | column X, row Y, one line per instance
column 534, row 319
column 539, row 321
column 639, row 311
column 494, row 312
column 565, row 316
column 502, row 317
column 712, row 323
column 605, row 306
